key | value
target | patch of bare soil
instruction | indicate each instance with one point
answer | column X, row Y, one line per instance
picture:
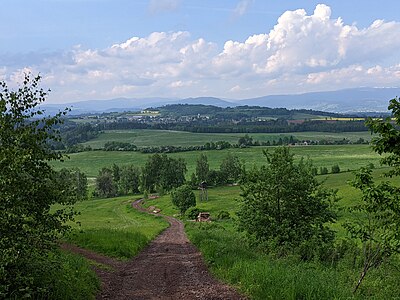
column 169, row 268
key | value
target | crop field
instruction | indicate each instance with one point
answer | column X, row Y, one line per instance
column 146, row 137
column 348, row 157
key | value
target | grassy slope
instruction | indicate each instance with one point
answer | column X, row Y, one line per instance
column 112, row 227
column 347, row 156
column 146, row 137
column 261, row 277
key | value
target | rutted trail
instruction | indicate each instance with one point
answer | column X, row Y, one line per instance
column 169, row 268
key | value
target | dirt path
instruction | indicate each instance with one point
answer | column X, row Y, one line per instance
column 169, row 268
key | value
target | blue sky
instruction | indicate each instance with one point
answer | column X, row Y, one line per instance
column 102, row 49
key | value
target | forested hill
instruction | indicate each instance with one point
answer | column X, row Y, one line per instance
column 239, row 112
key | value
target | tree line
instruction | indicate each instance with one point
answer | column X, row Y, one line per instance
column 162, row 174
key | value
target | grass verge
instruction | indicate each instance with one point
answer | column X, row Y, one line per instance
column 112, row 227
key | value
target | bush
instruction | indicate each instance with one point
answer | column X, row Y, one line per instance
column 323, row 170
column 183, row 198
column 223, row 215
column 192, row 213
column 335, row 169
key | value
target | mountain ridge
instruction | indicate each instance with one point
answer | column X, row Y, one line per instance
column 353, row 100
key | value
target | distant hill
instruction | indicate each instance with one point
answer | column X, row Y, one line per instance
column 341, row 101
column 129, row 104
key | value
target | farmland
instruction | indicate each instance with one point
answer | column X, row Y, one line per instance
column 347, row 156
column 147, row 137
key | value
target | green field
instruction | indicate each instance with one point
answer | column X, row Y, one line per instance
column 147, row 137
column 347, row 156
column 111, row 226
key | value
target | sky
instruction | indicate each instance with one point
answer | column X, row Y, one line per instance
column 232, row 49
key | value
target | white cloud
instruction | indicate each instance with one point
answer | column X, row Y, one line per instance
column 301, row 52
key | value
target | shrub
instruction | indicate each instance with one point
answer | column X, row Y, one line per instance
column 335, row 169
column 183, row 198
column 223, row 215
column 192, row 213
column 323, row 170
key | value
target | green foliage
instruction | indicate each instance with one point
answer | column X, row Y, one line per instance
column 28, row 188
column 379, row 227
column 183, row 198
column 283, row 206
column 335, row 169
column 323, row 170
column 231, row 169
column 223, row 215
column 129, row 181
column 163, row 171
column 105, row 184
column 262, row 276
column 70, row 276
column 245, row 141
column 75, row 180
column 202, row 168
column 192, row 213
column 388, row 140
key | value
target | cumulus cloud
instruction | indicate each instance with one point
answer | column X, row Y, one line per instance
column 301, row 52
column 157, row 6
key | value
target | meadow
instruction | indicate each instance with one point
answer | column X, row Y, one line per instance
column 147, row 137
column 348, row 157
column 112, row 227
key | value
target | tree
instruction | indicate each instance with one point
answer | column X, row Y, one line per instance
column 76, row 181
column 283, row 206
column 129, row 179
column 202, row 168
column 161, row 171
column 379, row 228
column 105, row 184
column 183, row 198
column 245, row 141
column 388, row 140
column 29, row 187
column 335, row 169
column 115, row 172
column 230, row 169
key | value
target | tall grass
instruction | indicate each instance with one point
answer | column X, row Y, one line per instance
column 112, row 227
column 262, row 276
column 59, row 275
column 121, row 244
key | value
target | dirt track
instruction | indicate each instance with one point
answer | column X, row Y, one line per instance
column 169, row 268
